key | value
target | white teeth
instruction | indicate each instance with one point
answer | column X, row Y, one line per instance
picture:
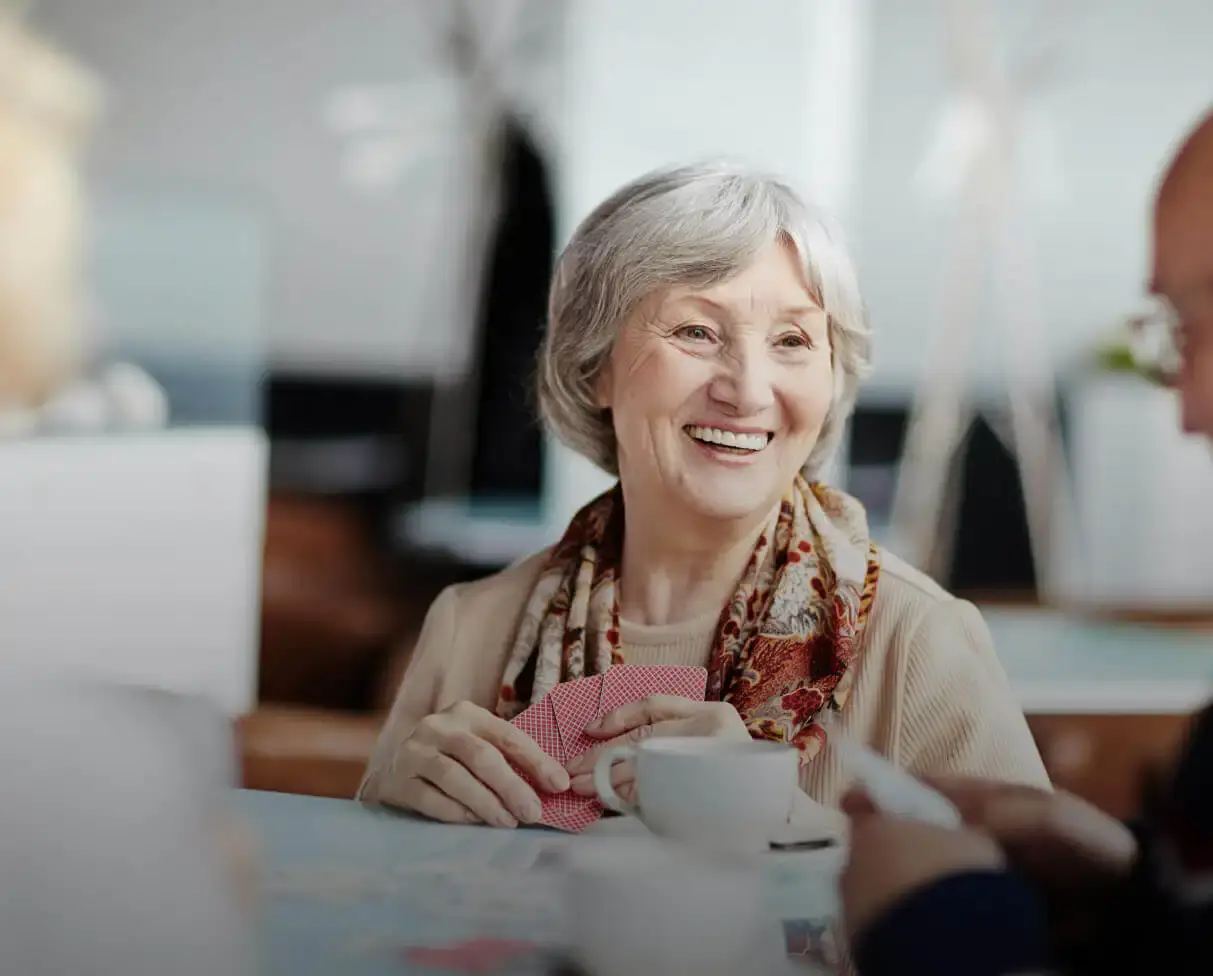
column 729, row 438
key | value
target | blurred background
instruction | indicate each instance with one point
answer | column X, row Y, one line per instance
column 295, row 402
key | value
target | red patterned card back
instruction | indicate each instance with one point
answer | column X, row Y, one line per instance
column 575, row 704
column 627, row 683
column 564, row 811
column 539, row 722
column 568, row 811
column 558, row 721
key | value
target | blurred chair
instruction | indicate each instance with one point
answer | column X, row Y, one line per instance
column 336, row 625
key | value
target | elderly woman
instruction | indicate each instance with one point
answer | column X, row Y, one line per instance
column 705, row 341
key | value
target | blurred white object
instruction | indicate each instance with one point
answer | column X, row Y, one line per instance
column 1142, row 491
column 136, row 558
column 121, row 397
column 893, row 790
column 107, row 836
column 137, row 402
column 976, row 161
column 643, row 906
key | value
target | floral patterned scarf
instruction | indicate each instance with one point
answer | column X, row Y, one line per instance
column 786, row 640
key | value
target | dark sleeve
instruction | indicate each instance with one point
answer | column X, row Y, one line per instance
column 981, row 923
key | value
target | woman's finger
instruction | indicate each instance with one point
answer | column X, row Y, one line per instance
column 429, row 801
column 486, row 763
column 646, row 711
column 452, row 778
column 621, row 773
column 523, row 751
column 688, row 725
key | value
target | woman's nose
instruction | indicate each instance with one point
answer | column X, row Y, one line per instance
column 745, row 384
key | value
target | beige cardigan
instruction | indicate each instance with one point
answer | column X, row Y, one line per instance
column 929, row 694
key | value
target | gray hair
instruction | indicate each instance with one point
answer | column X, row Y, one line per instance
column 689, row 225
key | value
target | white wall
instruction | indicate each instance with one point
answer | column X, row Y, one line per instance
column 226, row 99
column 1138, row 73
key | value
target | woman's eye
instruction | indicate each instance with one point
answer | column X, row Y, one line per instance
column 794, row 340
column 696, row 333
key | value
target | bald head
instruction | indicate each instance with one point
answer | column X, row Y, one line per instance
column 1183, row 267
column 1191, row 170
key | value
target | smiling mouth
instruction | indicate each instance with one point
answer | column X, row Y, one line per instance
column 728, row 441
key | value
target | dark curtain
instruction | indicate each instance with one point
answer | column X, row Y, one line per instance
column 508, row 455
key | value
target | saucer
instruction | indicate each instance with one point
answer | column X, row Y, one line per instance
column 797, row 839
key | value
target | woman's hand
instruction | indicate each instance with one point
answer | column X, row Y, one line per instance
column 661, row 715
column 890, row 859
column 1054, row 839
column 455, row 767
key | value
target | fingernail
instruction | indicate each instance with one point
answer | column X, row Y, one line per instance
column 505, row 820
column 532, row 812
column 558, row 780
column 594, row 726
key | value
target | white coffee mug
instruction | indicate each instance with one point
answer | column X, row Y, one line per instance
column 734, row 794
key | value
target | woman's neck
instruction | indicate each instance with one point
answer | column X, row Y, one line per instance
column 678, row 569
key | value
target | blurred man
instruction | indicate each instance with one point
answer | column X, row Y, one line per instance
column 1182, row 277
column 988, row 900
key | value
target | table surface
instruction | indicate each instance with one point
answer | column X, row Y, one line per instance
column 350, row 890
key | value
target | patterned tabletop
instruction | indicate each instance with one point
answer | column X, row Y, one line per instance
column 367, row 893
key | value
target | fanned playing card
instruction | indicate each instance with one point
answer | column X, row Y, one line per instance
column 575, row 704
column 558, row 721
column 564, row 811
column 626, row 683
column 539, row 722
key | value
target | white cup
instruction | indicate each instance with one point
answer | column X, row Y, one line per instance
column 735, row 795
column 645, row 906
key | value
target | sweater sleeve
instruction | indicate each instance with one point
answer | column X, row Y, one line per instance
column 980, row 923
column 416, row 698
column 959, row 716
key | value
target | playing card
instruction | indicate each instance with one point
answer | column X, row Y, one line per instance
column 558, row 720
column 626, row 683
column 539, row 722
column 893, row 790
column 564, row 811
column 575, row 704
column 568, row 811
column 472, row 956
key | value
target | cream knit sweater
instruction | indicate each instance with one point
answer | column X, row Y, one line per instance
column 929, row 694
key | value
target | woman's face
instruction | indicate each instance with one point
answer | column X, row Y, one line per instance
column 718, row 394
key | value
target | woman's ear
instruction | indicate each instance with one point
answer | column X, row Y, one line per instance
column 602, row 387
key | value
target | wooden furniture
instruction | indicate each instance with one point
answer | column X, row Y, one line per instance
column 337, row 629
column 1103, row 758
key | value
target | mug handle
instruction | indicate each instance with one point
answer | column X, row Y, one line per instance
column 602, row 780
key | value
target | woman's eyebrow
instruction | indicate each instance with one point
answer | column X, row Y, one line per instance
column 801, row 311
column 715, row 307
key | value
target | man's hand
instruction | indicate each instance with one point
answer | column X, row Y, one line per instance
column 890, row 859
column 1054, row 839
column 455, row 767
column 657, row 715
